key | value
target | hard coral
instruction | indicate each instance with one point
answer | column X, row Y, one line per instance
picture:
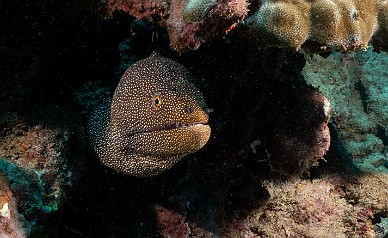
column 315, row 25
column 339, row 25
column 284, row 23
column 343, row 25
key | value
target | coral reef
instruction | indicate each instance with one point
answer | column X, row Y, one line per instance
column 196, row 10
column 143, row 9
column 357, row 87
column 283, row 23
column 333, row 25
column 171, row 223
column 182, row 35
column 266, row 170
column 34, row 159
column 329, row 206
column 12, row 224
column 185, row 35
column 315, row 26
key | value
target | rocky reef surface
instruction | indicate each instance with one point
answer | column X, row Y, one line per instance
column 299, row 141
column 357, row 86
column 36, row 162
column 315, row 26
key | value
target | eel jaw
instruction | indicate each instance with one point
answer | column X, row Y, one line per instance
column 165, row 127
column 170, row 140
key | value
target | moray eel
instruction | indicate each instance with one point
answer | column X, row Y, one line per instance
column 155, row 118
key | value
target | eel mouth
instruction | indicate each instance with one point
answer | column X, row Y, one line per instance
column 165, row 127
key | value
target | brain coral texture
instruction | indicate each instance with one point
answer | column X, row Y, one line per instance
column 341, row 25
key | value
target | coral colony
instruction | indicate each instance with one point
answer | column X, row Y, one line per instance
column 314, row 25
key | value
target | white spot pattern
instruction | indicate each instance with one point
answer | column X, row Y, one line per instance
column 133, row 136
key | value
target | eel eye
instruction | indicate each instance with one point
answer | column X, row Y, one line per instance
column 157, row 102
column 188, row 109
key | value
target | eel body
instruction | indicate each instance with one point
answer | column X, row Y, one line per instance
column 155, row 117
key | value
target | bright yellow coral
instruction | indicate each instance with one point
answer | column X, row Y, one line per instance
column 335, row 24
